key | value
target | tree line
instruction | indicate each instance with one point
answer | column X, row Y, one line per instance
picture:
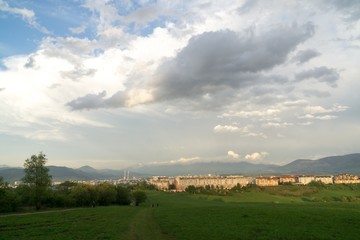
column 37, row 192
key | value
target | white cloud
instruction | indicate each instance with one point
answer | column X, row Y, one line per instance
column 177, row 161
column 251, row 114
column 228, row 128
column 320, row 109
column 26, row 14
column 256, row 156
column 233, row 154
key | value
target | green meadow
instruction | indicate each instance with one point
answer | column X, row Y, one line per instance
column 285, row 212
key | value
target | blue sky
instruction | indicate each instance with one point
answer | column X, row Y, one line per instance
column 113, row 84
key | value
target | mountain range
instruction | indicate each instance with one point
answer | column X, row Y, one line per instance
column 329, row 165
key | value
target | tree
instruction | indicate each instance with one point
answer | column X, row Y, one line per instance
column 85, row 195
column 107, row 194
column 139, row 197
column 3, row 184
column 37, row 177
column 191, row 189
column 122, row 195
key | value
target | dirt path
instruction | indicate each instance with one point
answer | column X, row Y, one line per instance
column 143, row 226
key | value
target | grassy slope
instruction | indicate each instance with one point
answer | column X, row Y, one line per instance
column 90, row 223
column 261, row 214
column 256, row 214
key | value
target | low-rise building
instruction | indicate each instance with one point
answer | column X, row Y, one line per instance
column 227, row 182
column 267, row 181
column 346, row 179
column 325, row 179
column 304, row 180
column 161, row 183
column 287, row 179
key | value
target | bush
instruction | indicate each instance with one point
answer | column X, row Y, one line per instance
column 139, row 197
column 9, row 201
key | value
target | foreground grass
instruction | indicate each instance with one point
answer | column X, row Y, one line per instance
column 89, row 223
column 262, row 221
column 255, row 214
column 260, row 214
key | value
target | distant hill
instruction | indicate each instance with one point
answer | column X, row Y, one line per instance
column 329, row 165
column 59, row 174
column 201, row 168
column 11, row 174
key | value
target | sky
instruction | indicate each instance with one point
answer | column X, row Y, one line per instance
column 114, row 84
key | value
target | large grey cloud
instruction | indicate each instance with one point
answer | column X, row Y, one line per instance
column 322, row 74
column 350, row 8
column 88, row 101
column 214, row 63
column 305, row 55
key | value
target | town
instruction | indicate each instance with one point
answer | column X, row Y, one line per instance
column 180, row 183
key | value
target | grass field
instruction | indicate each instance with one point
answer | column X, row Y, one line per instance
column 305, row 213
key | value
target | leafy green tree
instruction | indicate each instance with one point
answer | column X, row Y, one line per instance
column 85, row 195
column 3, row 184
column 107, row 194
column 172, row 187
column 9, row 200
column 191, row 189
column 139, row 197
column 37, row 177
column 122, row 195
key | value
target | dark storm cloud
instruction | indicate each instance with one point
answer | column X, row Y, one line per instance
column 322, row 74
column 224, row 59
column 214, row 63
column 88, row 101
column 305, row 55
column 94, row 101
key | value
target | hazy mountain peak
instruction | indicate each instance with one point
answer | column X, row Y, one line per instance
column 87, row 168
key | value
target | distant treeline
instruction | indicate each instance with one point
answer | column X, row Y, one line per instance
column 70, row 194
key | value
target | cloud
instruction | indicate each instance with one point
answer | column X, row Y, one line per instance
column 233, row 154
column 230, row 129
column 322, row 74
column 256, row 156
column 316, row 93
column 78, row 30
column 277, row 125
column 349, row 8
column 88, row 101
column 320, row 109
column 323, row 117
column 321, row 113
column 146, row 14
column 250, row 114
column 30, row 63
column 244, row 131
column 305, row 55
column 224, row 59
column 78, row 73
column 26, row 14
column 213, row 65
column 176, row 161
